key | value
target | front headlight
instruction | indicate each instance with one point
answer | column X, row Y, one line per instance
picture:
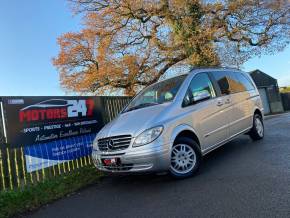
column 148, row 136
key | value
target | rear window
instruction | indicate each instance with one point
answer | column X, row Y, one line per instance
column 222, row 80
column 245, row 81
column 233, row 82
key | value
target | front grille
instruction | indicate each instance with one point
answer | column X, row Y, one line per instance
column 114, row 143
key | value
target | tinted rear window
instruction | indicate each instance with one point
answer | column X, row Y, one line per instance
column 246, row 82
column 222, row 80
column 236, row 85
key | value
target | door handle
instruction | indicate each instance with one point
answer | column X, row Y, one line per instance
column 227, row 101
column 220, row 103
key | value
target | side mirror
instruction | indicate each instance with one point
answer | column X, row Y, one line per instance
column 201, row 95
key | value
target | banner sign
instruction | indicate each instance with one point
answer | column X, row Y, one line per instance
column 37, row 120
column 47, row 154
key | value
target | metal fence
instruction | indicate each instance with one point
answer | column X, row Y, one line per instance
column 13, row 173
column 113, row 105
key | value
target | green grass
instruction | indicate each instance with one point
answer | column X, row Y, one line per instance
column 29, row 198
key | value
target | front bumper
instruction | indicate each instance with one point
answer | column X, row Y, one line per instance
column 148, row 158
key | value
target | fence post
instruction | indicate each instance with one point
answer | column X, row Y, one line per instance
column 112, row 106
column 3, row 137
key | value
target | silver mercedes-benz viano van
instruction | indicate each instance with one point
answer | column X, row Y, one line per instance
column 171, row 124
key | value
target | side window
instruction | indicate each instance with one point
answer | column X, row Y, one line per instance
column 222, row 80
column 235, row 83
column 199, row 89
column 246, row 82
column 149, row 97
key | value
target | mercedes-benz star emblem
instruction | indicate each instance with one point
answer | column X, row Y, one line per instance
column 110, row 144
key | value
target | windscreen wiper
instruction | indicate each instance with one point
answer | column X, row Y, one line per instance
column 140, row 106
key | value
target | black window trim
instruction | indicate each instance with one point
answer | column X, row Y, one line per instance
column 215, row 82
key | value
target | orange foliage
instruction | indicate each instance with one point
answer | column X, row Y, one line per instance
column 127, row 44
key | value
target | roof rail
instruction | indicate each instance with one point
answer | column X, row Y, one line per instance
column 214, row 67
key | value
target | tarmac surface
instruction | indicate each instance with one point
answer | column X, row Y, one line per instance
column 241, row 179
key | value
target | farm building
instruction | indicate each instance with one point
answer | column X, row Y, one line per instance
column 269, row 91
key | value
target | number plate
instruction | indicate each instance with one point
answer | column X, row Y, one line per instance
column 111, row 161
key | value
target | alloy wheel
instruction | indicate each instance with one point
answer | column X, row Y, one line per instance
column 259, row 127
column 183, row 158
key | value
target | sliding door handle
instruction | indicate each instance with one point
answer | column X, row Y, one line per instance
column 228, row 101
column 220, row 103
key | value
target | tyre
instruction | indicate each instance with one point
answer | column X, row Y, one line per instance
column 257, row 131
column 185, row 158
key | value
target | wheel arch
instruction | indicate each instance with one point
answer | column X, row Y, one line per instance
column 185, row 131
column 259, row 112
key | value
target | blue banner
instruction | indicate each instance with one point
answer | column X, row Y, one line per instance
column 44, row 155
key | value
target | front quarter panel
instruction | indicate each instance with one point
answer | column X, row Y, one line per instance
column 174, row 131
